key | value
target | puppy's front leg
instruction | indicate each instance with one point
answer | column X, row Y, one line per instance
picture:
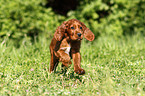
column 76, row 60
column 64, row 57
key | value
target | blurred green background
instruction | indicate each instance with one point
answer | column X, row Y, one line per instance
column 28, row 19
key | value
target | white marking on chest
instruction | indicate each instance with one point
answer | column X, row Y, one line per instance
column 67, row 49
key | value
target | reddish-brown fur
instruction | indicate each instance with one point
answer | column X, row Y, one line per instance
column 66, row 44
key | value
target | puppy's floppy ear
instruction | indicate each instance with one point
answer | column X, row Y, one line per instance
column 59, row 33
column 88, row 34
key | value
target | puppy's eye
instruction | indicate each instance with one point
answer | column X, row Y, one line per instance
column 72, row 28
column 80, row 27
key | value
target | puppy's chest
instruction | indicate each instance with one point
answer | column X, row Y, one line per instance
column 65, row 46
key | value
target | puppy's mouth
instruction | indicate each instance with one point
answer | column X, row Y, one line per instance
column 79, row 39
column 76, row 38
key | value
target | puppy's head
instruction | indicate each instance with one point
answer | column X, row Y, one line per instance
column 74, row 30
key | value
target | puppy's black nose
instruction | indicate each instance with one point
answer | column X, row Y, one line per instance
column 79, row 34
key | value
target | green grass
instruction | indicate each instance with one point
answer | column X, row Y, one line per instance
column 113, row 67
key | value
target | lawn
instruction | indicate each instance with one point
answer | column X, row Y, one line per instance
column 114, row 67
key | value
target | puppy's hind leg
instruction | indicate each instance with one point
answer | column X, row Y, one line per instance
column 53, row 63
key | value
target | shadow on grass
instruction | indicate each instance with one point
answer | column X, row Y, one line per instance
column 68, row 76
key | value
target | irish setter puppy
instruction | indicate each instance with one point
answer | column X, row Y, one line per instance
column 66, row 44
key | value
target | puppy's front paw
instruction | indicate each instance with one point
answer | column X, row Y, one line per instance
column 66, row 64
column 65, row 58
column 80, row 71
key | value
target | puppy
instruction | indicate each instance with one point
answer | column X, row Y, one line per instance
column 66, row 43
